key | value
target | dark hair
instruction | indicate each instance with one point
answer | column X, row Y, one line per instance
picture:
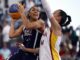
column 28, row 13
column 66, row 19
column 1, row 27
column 66, row 30
column 43, row 16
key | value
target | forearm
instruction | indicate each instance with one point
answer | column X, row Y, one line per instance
column 12, row 30
column 49, row 13
column 54, row 24
column 14, row 33
column 23, row 16
column 24, row 20
column 47, row 8
column 32, row 50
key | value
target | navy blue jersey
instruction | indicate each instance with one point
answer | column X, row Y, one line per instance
column 31, row 38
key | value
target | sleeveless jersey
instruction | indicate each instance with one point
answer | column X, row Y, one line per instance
column 31, row 38
column 49, row 46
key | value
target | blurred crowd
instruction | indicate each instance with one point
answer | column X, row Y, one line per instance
column 69, row 47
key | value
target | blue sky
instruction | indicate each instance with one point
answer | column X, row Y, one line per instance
column 72, row 8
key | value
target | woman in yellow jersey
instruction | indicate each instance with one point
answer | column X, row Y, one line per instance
column 49, row 46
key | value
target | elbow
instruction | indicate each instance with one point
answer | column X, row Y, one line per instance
column 28, row 27
column 59, row 28
column 11, row 36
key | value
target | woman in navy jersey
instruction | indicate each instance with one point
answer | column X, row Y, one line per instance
column 28, row 49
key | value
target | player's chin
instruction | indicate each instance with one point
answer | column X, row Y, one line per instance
column 35, row 18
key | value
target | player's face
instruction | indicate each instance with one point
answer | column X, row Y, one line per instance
column 57, row 15
column 34, row 13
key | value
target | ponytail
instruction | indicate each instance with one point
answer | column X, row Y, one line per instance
column 68, row 21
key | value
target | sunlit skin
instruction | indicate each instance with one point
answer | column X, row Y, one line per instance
column 34, row 13
column 57, row 15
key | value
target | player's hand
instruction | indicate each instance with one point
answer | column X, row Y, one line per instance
column 21, row 46
column 12, row 20
column 21, row 9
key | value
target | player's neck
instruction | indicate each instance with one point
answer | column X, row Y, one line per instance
column 32, row 20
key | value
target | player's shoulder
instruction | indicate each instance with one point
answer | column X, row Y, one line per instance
column 41, row 21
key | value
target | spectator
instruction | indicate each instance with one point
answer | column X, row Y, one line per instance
column 65, row 45
column 1, row 37
column 73, row 37
column 5, row 52
column 1, row 57
column 29, row 4
column 5, row 31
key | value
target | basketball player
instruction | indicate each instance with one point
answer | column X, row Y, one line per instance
column 49, row 45
column 31, row 37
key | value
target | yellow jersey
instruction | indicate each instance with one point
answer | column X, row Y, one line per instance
column 49, row 46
